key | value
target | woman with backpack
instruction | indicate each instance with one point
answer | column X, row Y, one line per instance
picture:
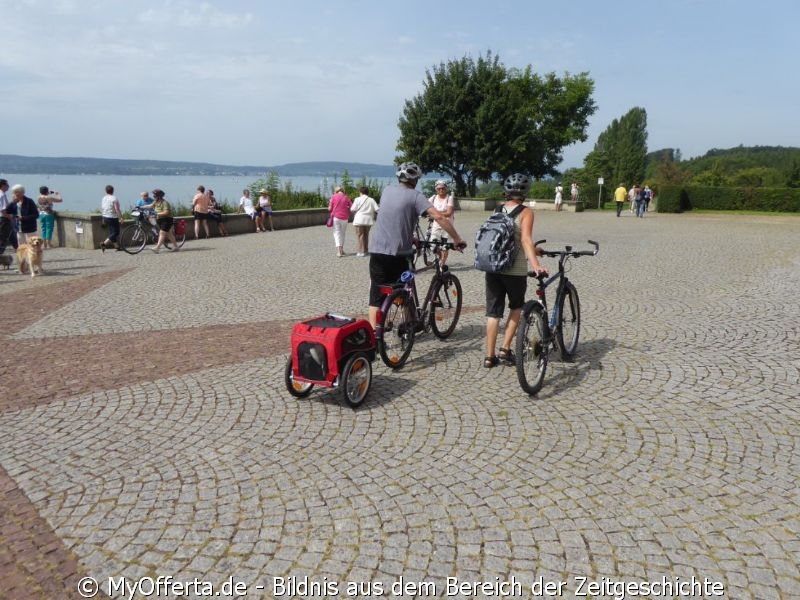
column 512, row 282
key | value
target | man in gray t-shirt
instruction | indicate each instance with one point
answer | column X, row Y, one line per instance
column 401, row 206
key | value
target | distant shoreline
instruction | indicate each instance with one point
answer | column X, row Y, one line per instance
column 11, row 163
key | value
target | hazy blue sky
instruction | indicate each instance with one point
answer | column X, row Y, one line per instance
column 266, row 83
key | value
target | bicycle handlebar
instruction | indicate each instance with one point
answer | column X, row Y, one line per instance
column 568, row 251
column 563, row 254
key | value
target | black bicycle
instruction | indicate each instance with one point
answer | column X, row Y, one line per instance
column 401, row 316
column 536, row 335
column 144, row 231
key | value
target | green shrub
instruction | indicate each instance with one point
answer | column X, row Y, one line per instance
column 681, row 198
column 287, row 198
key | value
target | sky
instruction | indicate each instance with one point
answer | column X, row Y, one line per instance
column 265, row 83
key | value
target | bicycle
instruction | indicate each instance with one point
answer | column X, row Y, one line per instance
column 401, row 317
column 536, row 335
column 422, row 251
column 136, row 236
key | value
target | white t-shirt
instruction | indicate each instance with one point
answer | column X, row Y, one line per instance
column 441, row 204
column 247, row 204
column 364, row 208
column 108, row 206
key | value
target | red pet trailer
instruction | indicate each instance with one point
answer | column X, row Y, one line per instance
column 331, row 351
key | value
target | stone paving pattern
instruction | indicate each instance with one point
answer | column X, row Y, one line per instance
column 145, row 429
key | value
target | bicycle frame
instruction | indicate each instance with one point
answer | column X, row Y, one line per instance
column 410, row 286
column 403, row 315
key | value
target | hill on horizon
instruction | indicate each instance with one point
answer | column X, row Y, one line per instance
column 13, row 163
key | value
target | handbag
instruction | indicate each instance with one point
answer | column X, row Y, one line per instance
column 329, row 222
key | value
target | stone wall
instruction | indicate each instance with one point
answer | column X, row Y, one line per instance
column 85, row 230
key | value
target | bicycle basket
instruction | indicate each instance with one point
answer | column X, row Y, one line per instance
column 180, row 226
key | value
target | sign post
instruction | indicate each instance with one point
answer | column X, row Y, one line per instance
column 600, row 193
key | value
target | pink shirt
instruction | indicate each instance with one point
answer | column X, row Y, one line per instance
column 339, row 206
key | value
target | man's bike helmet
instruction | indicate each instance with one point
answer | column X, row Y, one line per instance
column 408, row 171
column 517, row 184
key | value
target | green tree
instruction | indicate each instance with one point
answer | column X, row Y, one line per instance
column 620, row 153
column 477, row 118
column 670, row 171
column 793, row 176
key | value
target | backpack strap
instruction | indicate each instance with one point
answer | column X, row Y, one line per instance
column 513, row 214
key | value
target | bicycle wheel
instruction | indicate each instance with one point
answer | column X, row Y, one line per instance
column 298, row 389
column 569, row 326
column 133, row 239
column 531, row 348
column 446, row 307
column 356, row 379
column 398, row 330
column 181, row 239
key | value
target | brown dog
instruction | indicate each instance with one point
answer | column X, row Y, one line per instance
column 29, row 256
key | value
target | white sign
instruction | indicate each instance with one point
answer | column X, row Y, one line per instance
column 78, row 227
column 599, row 181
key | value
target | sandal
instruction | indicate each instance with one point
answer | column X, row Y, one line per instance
column 490, row 361
column 507, row 356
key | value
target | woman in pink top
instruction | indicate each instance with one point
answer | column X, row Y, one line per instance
column 339, row 206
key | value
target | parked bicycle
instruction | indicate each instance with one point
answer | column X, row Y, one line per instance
column 537, row 336
column 422, row 250
column 139, row 234
column 401, row 316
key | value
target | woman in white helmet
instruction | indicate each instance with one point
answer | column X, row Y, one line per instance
column 442, row 201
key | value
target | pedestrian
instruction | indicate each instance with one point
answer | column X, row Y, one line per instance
column 165, row 221
column 559, row 196
column 265, row 205
column 619, row 197
column 246, row 206
column 112, row 217
column 632, row 198
column 215, row 213
column 639, row 199
column 573, row 192
column 442, row 201
column 513, row 282
column 47, row 217
column 6, row 216
column 28, row 213
column 364, row 209
column 339, row 207
column 200, row 211
column 648, row 196
column 401, row 206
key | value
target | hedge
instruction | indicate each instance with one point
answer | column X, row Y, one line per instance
column 681, row 198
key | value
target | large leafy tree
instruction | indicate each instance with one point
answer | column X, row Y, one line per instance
column 477, row 118
column 620, row 153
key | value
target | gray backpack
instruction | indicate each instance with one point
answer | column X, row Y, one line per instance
column 495, row 246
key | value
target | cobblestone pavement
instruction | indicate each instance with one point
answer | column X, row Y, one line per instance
column 145, row 429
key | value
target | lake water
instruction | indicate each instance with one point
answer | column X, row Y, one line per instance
column 82, row 193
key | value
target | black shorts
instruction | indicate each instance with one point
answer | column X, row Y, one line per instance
column 200, row 216
column 498, row 286
column 164, row 223
column 384, row 269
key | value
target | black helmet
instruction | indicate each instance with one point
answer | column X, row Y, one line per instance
column 158, row 193
column 408, row 171
column 44, row 190
column 517, row 184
